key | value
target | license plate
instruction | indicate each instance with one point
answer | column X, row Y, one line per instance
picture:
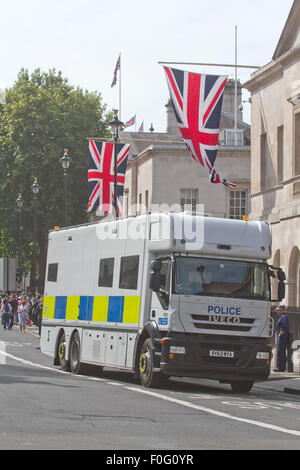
column 214, row 353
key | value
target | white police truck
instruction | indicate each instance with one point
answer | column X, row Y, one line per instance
column 162, row 294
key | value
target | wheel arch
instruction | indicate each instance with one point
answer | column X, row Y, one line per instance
column 150, row 330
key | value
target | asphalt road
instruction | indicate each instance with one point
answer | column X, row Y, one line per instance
column 45, row 408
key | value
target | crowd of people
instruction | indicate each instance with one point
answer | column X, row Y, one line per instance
column 19, row 309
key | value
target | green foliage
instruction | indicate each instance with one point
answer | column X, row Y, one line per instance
column 42, row 115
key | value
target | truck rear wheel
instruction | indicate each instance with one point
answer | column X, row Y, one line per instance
column 61, row 353
column 242, row 386
column 147, row 376
column 75, row 363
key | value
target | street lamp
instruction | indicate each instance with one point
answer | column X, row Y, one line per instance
column 35, row 189
column 241, row 107
column 116, row 126
column 19, row 203
column 65, row 163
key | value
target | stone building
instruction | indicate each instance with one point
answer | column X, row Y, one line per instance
column 161, row 171
column 275, row 152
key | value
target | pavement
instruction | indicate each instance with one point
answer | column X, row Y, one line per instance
column 287, row 382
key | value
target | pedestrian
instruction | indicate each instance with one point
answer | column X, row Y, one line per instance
column 282, row 337
column 11, row 303
column 15, row 310
column 35, row 309
column 40, row 314
column 23, row 316
column 6, row 314
column 29, row 305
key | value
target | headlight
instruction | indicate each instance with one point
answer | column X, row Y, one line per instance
column 263, row 355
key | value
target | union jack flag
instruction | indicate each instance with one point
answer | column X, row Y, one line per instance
column 197, row 102
column 118, row 65
column 215, row 178
column 130, row 122
column 101, row 175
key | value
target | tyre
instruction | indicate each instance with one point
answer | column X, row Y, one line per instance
column 61, row 353
column 75, row 364
column 243, row 386
column 147, row 376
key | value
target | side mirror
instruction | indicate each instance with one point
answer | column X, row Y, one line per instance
column 155, row 275
column 281, row 275
column 155, row 281
column 281, row 284
column 155, row 265
column 281, row 290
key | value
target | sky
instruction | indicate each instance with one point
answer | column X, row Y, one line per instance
column 83, row 39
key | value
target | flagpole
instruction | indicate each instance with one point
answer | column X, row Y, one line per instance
column 212, row 65
column 116, row 125
column 235, row 91
column 120, row 90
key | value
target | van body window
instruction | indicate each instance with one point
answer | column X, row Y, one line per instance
column 52, row 272
column 106, row 272
column 129, row 272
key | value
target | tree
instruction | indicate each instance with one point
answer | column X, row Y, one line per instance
column 42, row 115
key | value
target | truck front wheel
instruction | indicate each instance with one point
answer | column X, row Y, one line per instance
column 147, row 376
column 242, row 386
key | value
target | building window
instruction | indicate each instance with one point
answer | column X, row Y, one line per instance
column 297, row 144
column 189, row 198
column 238, row 204
column 106, row 272
column 147, row 201
column 280, row 154
column 229, row 135
column 263, row 160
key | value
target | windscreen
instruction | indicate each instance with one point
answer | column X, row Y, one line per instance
column 221, row 277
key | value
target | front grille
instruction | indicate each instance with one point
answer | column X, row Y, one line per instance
column 221, row 327
column 203, row 322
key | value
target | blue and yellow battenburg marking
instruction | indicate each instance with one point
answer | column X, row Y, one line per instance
column 112, row 309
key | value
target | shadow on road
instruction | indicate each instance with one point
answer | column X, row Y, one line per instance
column 173, row 384
column 16, row 374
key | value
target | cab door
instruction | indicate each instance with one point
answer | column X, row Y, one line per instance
column 161, row 299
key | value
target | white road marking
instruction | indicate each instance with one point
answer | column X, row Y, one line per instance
column 216, row 413
column 28, row 363
column 2, row 352
column 52, row 369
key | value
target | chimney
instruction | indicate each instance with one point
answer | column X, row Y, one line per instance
column 228, row 99
column 172, row 126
